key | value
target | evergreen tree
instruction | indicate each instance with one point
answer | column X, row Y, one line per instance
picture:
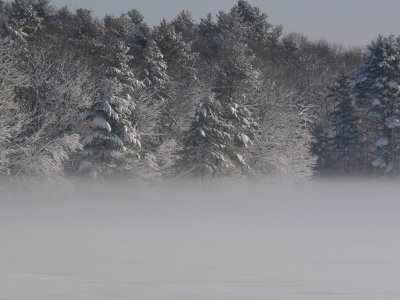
column 346, row 143
column 177, row 53
column 155, row 68
column 234, row 79
column 378, row 90
column 114, row 139
column 86, row 34
column 258, row 28
column 43, row 8
column 129, row 28
column 212, row 142
column 183, row 78
column 157, row 83
column 185, row 25
column 24, row 18
column 207, row 39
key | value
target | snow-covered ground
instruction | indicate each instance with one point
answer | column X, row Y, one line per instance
column 320, row 241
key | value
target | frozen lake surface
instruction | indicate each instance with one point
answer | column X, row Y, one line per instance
column 327, row 241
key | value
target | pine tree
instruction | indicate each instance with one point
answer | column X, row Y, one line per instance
column 234, row 79
column 141, row 34
column 128, row 28
column 183, row 78
column 157, row 84
column 114, row 138
column 155, row 68
column 207, row 40
column 24, row 18
column 178, row 54
column 43, row 8
column 346, row 144
column 186, row 26
column 259, row 29
column 86, row 34
column 157, row 89
column 378, row 90
column 212, row 142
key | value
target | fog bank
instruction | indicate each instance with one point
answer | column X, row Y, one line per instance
column 200, row 241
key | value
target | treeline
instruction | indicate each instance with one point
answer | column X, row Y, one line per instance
column 360, row 134
column 228, row 95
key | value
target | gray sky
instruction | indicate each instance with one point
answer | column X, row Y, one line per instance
column 351, row 22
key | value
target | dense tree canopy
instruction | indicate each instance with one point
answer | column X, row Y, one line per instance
column 228, row 95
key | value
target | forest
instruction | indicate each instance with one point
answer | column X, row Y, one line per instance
column 227, row 96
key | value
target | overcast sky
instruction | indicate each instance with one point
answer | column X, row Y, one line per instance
column 351, row 22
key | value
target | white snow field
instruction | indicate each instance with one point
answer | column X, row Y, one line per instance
column 317, row 241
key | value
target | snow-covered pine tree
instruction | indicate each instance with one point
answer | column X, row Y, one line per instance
column 157, row 83
column 207, row 40
column 258, row 28
column 84, row 32
column 223, row 126
column 177, row 53
column 23, row 17
column 140, row 32
column 236, row 78
column 155, row 68
column 181, row 62
column 151, row 112
column 212, row 144
column 114, row 139
column 378, row 91
column 43, row 8
column 186, row 26
column 346, row 143
column 177, row 88
column 235, row 81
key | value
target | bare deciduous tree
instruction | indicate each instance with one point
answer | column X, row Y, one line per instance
column 13, row 118
column 57, row 96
